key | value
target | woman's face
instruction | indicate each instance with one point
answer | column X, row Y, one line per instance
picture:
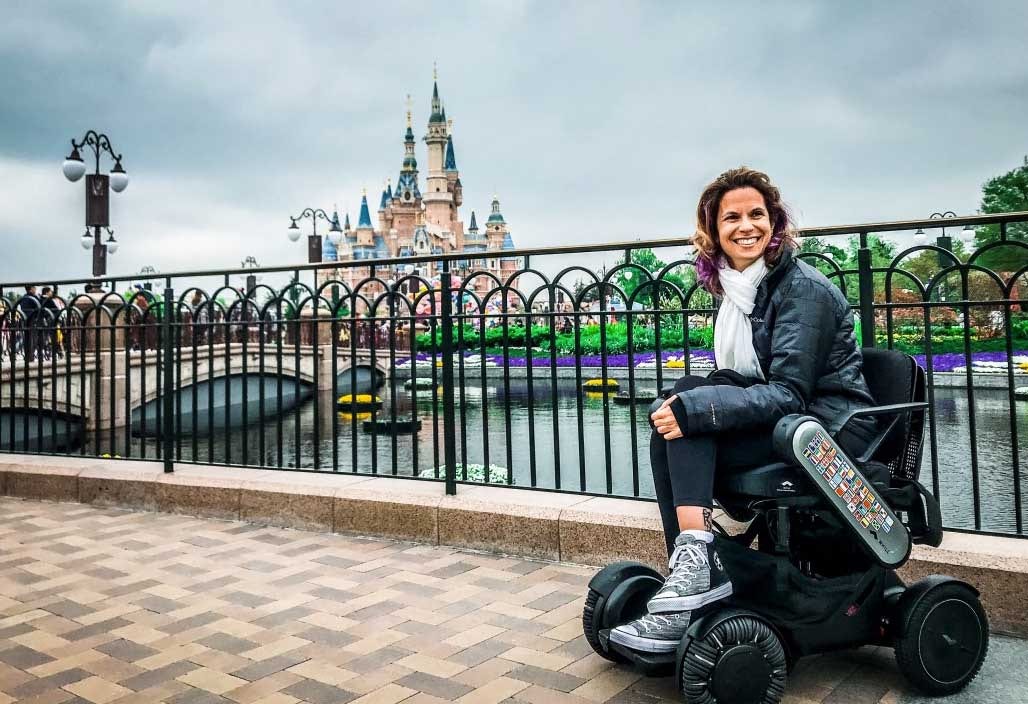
column 744, row 226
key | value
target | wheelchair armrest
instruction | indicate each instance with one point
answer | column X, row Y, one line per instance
column 894, row 409
column 875, row 411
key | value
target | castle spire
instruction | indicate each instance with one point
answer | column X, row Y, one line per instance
column 473, row 227
column 437, row 105
column 451, row 160
column 365, row 217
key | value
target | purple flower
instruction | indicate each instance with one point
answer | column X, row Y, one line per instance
column 950, row 360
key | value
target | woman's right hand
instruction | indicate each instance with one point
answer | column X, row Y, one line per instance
column 664, row 421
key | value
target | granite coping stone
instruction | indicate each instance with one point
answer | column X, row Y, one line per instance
column 566, row 527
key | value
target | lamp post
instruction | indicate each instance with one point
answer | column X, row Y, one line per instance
column 251, row 279
column 335, row 233
column 148, row 272
column 98, row 188
column 944, row 241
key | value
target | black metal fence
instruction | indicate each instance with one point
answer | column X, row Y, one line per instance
column 530, row 368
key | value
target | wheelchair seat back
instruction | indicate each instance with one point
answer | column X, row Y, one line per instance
column 894, row 377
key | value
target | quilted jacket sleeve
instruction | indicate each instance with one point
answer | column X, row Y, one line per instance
column 805, row 325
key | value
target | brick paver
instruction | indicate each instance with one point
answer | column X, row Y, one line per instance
column 111, row 606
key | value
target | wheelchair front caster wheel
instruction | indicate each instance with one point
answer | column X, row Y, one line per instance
column 945, row 640
column 617, row 594
column 740, row 660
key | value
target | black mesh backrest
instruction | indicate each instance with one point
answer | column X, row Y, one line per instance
column 894, row 377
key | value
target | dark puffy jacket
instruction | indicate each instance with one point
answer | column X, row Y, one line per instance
column 804, row 340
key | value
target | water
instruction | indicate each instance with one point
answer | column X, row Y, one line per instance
column 525, row 430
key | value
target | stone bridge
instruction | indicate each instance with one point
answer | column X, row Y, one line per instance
column 101, row 387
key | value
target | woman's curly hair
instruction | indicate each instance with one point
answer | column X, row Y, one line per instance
column 706, row 239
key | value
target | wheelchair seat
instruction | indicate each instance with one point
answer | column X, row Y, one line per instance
column 895, row 381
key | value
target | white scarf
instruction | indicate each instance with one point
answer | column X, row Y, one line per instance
column 733, row 334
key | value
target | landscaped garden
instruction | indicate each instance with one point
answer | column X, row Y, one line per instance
column 947, row 346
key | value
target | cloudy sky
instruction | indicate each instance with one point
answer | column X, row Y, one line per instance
column 592, row 121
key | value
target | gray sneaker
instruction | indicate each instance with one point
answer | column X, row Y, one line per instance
column 697, row 578
column 652, row 633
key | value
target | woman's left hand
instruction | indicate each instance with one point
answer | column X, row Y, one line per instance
column 664, row 421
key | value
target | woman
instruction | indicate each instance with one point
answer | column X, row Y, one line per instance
column 783, row 343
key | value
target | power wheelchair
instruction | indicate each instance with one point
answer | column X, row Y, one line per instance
column 830, row 531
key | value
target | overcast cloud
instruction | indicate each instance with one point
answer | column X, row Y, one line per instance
column 592, row 121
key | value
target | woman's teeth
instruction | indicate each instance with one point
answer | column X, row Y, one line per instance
column 746, row 241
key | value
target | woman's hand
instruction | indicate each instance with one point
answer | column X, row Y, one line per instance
column 664, row 421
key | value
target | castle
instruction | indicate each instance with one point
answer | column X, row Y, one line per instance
column 412, row 222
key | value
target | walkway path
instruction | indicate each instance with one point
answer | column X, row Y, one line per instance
column 114, row 606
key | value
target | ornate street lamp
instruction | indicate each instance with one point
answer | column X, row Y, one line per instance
column 251, row 279
column 314, row 240
column 98, row 188
column 148, row 272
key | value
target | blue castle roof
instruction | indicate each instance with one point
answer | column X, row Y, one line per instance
column 365, row 218
column 451, row 161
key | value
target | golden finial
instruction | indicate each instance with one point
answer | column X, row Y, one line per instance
column 435, row 72
column 410, row 103
column 449, row 125
column 364, row 191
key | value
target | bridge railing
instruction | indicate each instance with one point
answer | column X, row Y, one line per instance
column 528, row 368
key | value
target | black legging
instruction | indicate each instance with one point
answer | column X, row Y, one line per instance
column 683, row 469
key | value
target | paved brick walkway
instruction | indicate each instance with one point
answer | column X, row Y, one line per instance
column 114, row 606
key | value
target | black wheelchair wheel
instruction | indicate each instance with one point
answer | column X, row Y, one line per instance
column 592, row 622
column 625, row 602
column 739, row 661
column 945, row 640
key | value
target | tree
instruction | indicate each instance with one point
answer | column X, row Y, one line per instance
column 1005, row 194
column 682, row 277
column 815, row 245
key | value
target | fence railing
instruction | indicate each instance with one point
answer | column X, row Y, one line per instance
column 538, row 378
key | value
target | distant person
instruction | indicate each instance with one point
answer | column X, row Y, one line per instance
column 140, row 306
column 30, row 308
column 48, row 328
column 201, row 321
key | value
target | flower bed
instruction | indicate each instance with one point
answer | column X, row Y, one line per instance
column 700, row 359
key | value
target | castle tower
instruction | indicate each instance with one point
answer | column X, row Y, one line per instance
column 495, row 227
column 438, row 198
column 407, row 191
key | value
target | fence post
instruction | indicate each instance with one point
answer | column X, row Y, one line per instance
column 867, row 293
column 449, row 421
column 168, row 383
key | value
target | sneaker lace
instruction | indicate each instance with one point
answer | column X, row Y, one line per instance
column 659, row 621
column 688, row 556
